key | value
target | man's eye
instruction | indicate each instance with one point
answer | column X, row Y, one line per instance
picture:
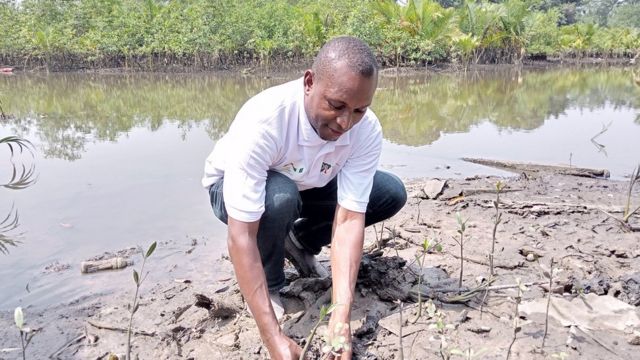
column 360, row 111
column 336, row 107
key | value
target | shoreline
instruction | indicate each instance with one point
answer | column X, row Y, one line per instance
column 280, row 66
column 545, row 214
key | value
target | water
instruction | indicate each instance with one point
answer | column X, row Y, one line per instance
column 119, row 157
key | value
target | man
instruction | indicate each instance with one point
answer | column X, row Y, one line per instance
column 296, row 171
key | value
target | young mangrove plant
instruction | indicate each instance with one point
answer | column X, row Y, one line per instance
column 26, row 334
column 496, row 221
column 138, row 281
column 425, row 248
column 334, row 342
column 468, row 354
column 516, row 327
column 627, row 212
column 462, row 226
column 546, row 319
column 324, row 312
column 635, row 177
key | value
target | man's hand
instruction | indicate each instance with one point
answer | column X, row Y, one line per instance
column 346, row 252
column 243, row 250
column 282, row 347
column 340, row 336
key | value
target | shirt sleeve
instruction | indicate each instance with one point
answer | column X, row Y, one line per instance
column 246, row 173
column 355, row 179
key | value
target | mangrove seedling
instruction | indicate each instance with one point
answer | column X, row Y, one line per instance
column 627, row 212
column 138, row 281
column 496, row 221
column 635, row 177
column 516, row 327
column 425, row 248
column 26, row 334
column 546, row 320
column 561, row 355
column 401, row 348
column 462, row 226
column 334, row 342
column 324, row 312
column 468, row 354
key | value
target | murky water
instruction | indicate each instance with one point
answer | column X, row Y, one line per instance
column 118, row 158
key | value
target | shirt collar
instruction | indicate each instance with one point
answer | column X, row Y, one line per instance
column 307, row 135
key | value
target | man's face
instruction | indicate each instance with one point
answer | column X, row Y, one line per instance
column 338, row 101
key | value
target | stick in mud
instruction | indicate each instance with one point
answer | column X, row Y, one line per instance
column 546, row 320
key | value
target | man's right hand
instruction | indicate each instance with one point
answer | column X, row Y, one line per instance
column 247, row 264
column 282, row 347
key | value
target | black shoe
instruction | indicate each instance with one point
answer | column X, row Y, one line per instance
column 306, row 264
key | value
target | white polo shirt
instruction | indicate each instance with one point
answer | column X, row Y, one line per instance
column 272, row 132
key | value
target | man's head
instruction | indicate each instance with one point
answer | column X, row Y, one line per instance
column 339, row 87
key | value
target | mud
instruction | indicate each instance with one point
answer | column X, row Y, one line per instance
column 543, row 217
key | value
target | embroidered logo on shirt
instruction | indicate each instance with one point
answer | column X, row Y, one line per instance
column 325, row 168
column 292, row 168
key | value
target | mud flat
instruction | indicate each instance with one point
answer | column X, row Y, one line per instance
column 593, row 312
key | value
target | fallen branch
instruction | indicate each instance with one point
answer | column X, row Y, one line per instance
column 550, row 207
column 119, row 329
column 486, row 263
column 535, row 168
column 625, row 225
column 466, row 293
column 67, row 345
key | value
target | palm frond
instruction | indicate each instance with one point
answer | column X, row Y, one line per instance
column 9, row 223
column 20, row 143
column 21, row 179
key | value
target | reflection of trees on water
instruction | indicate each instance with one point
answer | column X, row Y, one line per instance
column 67, row 111
column 416, row 110
column 22, row 176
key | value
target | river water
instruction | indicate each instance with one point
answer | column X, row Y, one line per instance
column 118, row 158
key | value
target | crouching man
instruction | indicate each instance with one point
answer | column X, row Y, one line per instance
column 297, row 171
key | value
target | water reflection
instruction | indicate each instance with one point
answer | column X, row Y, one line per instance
column 415, row 111
column 69, row 110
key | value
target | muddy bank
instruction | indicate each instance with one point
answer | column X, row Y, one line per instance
column 544, row 216
column 250, row 64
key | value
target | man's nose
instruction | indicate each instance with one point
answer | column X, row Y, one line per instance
column 344, row 120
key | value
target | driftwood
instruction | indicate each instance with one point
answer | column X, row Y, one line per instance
column 536, row 168
column 119, row 329
column 549, row 207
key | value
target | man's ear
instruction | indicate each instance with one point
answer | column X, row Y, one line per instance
column 308, row 81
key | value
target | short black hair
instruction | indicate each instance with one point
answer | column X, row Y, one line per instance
column 353, row 51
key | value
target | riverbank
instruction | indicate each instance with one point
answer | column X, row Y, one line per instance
column 249, row 67
column 544, row 216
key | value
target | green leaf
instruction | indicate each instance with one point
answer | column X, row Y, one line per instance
column 136, row 277
column 151, row 249
column 18, row 316
column 438, row 247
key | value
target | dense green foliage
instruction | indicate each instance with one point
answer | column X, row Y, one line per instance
column 213, row 33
